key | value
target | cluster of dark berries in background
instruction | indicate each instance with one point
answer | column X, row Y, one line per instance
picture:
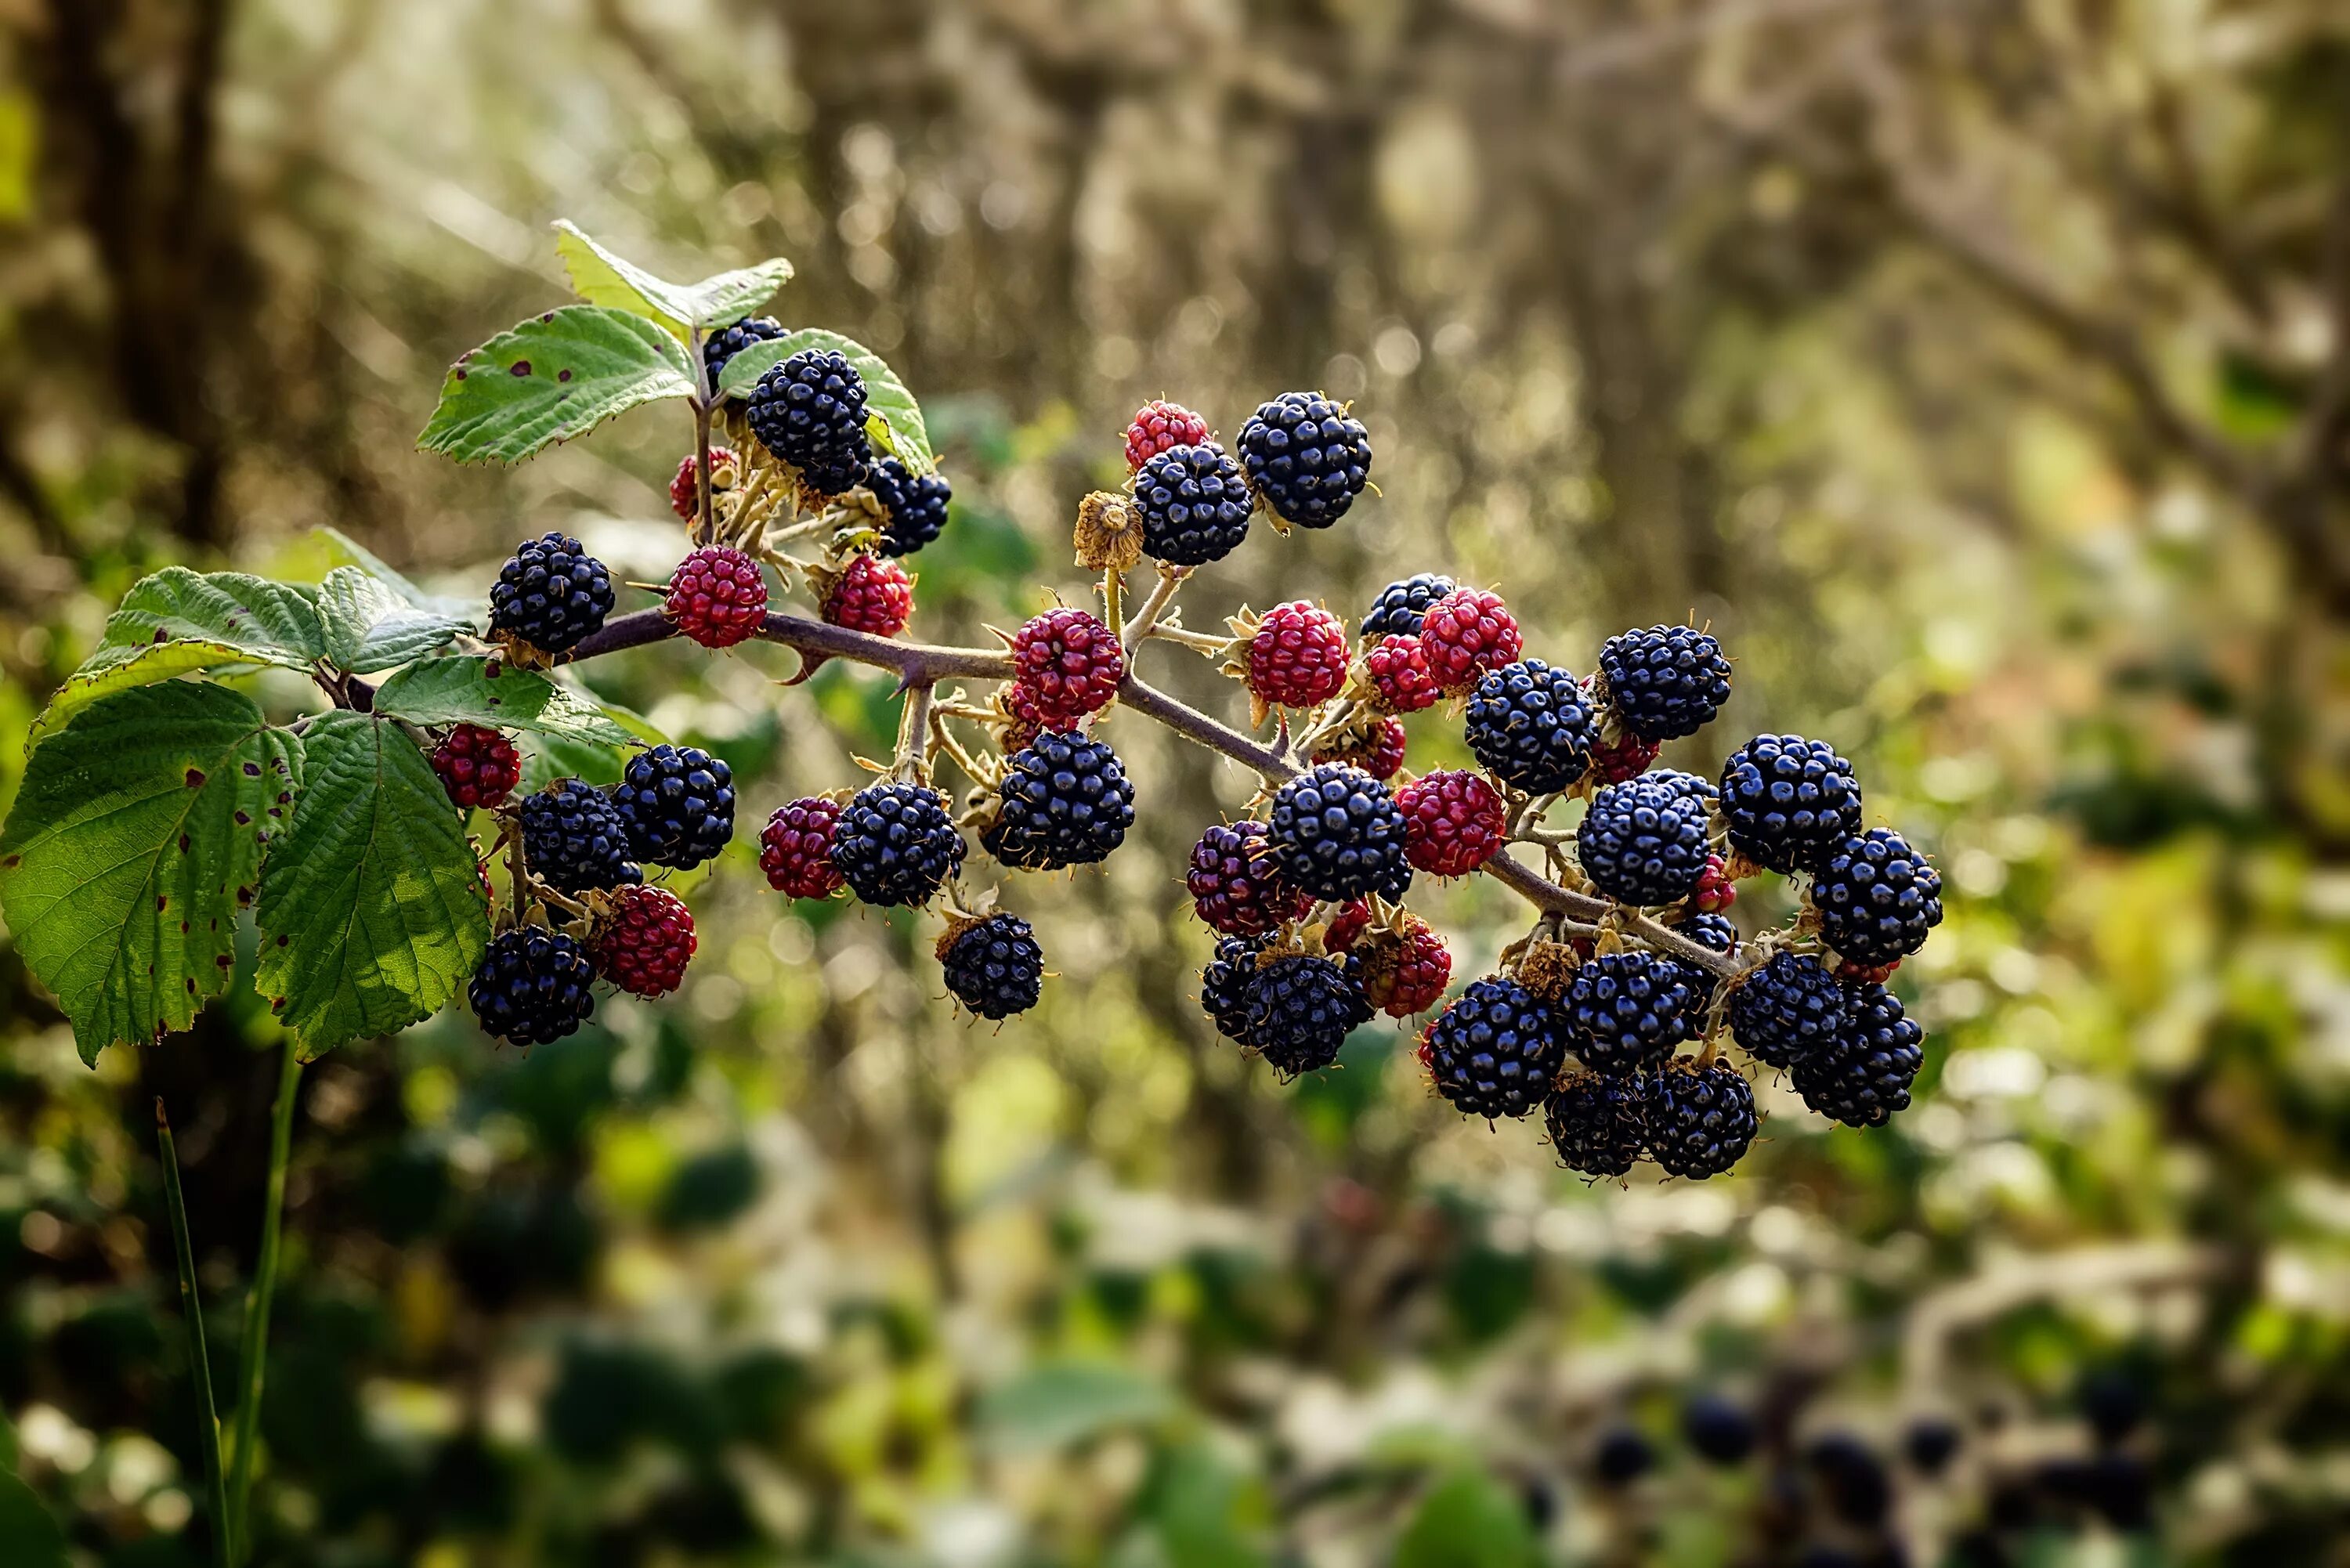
column 550, row 594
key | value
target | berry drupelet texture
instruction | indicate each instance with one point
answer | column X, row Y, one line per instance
column 1494, row 1051
column 1625, row 1012
column 1337, row 833
column 1877, row 898
column 1235, row 885
column 1195, row 505
column 895, row 844
column 1466, row 633
column 1396, row 670
column 870, row 595
column 477, row 767
column 717, row 596
column 677, row 804
column 728, row 341
column 550, row 594
column 1627, row 756
column 1301, row 1008
column 1701, row 1120
column 1404, row 971
column 913, row 506
column 645, row 941
column 1397, row 611
column 1788, row 1011
column 1529, row 725
column 1297, row 656
column 809, row 412
column 1378, row 749
column 1642, row 842
column 1717, row 932
column 1665, row 682
column 1157, row 425
column 575, row 838
column 1453, row 822
column 1307, row 457
column 533, row 986
column 1065, row 801
column 685, row 485
column 1861, row 1076
column 994, row 967
column 795, row 848
column 1224, row 985
column 1069, row 663
column 1347, row 926
column 1596, row 1123
column 1788, row 802
column 1021, row 717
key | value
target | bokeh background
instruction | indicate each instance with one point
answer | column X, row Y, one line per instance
column 1978, row 369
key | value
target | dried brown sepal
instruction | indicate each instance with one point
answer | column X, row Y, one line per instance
column 1108, row 535
column 1546, row 968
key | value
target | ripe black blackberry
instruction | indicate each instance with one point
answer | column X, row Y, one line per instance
column 1700, row 1119
column 728, row 341
column 678, row 803
column 1336, row 833
column 1788, row 802
column 1496, row 1049
column 1224, row 985
column 1716, row 931
column 810, row 411
column 1596, row 1123
column 1307, row 457
column 913, row 505
column 1065, row 801
column 1643, row 841
column 1397, row 609
column 1301, row 1009
column 895, row 843
column 1721, row 1432
column 1530, row 725
column 550, row 594
column 994, row 967
column 1624, row 1456
column 533, row 986
column 575, row 838
column 1861, row 1075
column 1666, row 681
column 1877, row 898
column 1788, row 1011
column 1195, row 504
column 1625, row 1012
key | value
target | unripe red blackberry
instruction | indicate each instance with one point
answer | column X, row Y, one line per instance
column 533, row 986
column 1666, row 681
column 1069, row 663
column 1466, row 633
column 1530, row 726
column 1494, row 1051
column 1235, row 885
column 1023, row 716
column 643, row 945
column 994, row 966
column 1337, row 833
column 1403, row 971
column 1157, row 425
column 1396, row 669
column 1626, row 1010
column 1597, row 1124
column 795, row 848
column 1378, row 750
column 1453, row 822
column 477, row 767
column 1877, row 898
column 1701, row 1120
column 1715, row 890
column 1297, row 656
column 1788, row 1011
column 1613, row 762
column 1195, row 504
column 685, row 488
column 1642, row 842
column 1861, row 1077
column 717, row 596
column 870, row 595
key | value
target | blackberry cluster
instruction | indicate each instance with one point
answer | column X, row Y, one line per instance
column 1597, row 1123
column 1301, row 1008
column 677, row 804
column 1665, row 682
column 1307, row 457
column 1707, row 929
column 1625, row 1012
column 550, row 594
column 1861, row 1075
column 895, row 844
column 913, row 506
column 1224, row 985
column 1336, row 833
column 575, row 838
column 1065, row 801
column 809, row 412
column 1788, row 1011
column 1643, row 841
column 728, row 341
column 1877, row 898
column 533, row 987
column 1195, row 505
column 1397, row 610
column 1701, row 1120
column 1236, row 886
column 1530, row 726
column 1788, row 802
column 994, row 966
column 1494, row 1051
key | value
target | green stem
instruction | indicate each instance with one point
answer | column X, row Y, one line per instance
column 255, row 1349
column 192, row 1312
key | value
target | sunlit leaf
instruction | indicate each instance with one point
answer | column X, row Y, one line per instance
column 552, row 378
column 370, row 626
column 460, row 690
column 602, row 277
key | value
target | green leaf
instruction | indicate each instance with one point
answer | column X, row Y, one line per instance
column 552, row 378
column 370, row 626
column 34, row 1536
column 893, row 420
column 601, row 278
column 1468, row 1519
column 136, row 839
column 462, row 691
column 372, row 909
column 551, row 757
column 350, row 552
column 1064, row 1402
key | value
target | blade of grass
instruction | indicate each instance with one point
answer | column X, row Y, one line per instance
column 254, row 1348
column 192, row 1313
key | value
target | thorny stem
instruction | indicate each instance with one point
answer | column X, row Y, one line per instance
column 914, row 732
column 1114, row 599
column 945, row 740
